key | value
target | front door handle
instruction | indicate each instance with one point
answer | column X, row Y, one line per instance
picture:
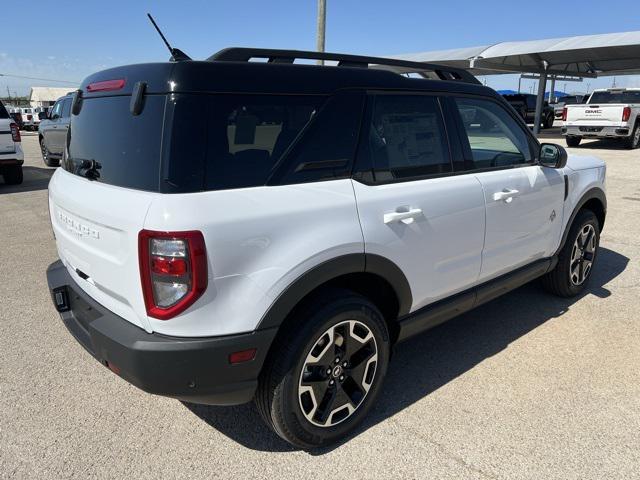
column 505, row 195
column 404, row 216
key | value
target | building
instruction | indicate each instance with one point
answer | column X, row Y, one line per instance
column 46, row 96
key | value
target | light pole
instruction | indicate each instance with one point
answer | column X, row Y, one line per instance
column 322, row 23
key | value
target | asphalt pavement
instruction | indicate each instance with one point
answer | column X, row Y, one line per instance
column 527, row 386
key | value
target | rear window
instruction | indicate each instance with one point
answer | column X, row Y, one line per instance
column 615, row 97
column 3, row 112
column 125, row 147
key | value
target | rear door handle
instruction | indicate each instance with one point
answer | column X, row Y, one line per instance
column 406, row 216
column 505, row 195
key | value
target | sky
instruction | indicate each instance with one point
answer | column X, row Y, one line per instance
column 71, row 39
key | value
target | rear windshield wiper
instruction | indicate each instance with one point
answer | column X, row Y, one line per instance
column 89, row 169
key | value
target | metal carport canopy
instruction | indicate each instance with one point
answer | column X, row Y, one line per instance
column 581, row 56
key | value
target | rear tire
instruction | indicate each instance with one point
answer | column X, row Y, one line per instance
column 13, row 175
column 634, row 139
column 577, row 257
column 322, row 377
column 573, row 141
column 548, row 121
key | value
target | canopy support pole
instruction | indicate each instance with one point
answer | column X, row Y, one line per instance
column 552, row 94
column 542, row 86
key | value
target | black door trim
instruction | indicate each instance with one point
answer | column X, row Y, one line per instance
column 443, row 310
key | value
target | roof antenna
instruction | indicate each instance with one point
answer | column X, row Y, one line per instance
column 177, row 55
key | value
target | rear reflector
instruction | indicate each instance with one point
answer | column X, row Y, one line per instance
column 106, row 85
column 242, row 356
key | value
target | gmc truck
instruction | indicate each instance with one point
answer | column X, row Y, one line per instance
column 609, row 113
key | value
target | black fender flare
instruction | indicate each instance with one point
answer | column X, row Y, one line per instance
column 334, row 268
column 591, row 194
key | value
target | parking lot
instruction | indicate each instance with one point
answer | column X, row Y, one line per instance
column 527, row 386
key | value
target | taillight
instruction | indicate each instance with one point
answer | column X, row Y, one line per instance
column 626, row 114
column 173, row 271
column 106, row 85
column 564, row 114
column 15, row 132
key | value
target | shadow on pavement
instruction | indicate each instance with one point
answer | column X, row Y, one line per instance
column 35, row 178
column 605, row 143
column 425, row 363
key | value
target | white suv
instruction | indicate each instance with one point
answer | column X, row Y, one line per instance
column 11, row 155
column 320, row 215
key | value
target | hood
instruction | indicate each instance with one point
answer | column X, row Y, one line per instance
column 583, row 162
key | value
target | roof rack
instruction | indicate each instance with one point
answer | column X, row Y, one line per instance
column 427, row 70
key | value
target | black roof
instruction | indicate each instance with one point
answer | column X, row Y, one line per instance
column 230, row 71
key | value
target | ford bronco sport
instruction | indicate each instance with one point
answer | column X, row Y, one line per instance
column 317, row 218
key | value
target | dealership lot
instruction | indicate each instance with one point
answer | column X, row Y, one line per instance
column 528, row 386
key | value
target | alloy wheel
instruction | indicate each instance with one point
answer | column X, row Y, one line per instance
column 337, row 374
column 582, row 255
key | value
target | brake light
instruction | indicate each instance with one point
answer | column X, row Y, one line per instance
column 626, row 114
column 15, row 132
column 564, row 114
column 106, row 85
column 173, row 271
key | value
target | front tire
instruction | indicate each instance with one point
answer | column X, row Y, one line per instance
column 322, row 378
column 548, row 121
column 577, row 257
column 573, row 141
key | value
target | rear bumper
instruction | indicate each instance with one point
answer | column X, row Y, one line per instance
column 12, row 158
column 190, row 369
column 597, row 131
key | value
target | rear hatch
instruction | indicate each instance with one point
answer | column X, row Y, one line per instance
column 6, row 138
column 596, row 114
column 108, row 180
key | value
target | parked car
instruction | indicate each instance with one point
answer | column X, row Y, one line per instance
column 316, row 218
column 525, row 105
column 52, row 132
column 609, row 113
column 28, row 118
column 11, row 155
column 558, row 107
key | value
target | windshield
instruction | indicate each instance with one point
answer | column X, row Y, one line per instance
column 616, row 97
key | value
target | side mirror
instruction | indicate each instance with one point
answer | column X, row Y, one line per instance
column 42, row 116
column 552, row 155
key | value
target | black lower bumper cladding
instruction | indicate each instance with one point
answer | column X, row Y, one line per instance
column 190, row 369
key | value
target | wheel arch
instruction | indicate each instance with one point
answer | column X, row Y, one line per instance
column 593, row 199
column 372, row 276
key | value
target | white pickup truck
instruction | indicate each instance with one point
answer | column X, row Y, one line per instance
column 609, row 113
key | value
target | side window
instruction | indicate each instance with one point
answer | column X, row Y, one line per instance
column 247, row 135
column 531, row 102
column 495, row 138
column 66, row 107
column 327, row 146
column 407, row 138
column 56, row 110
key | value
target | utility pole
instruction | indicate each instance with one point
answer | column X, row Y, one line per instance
column 322, row 23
